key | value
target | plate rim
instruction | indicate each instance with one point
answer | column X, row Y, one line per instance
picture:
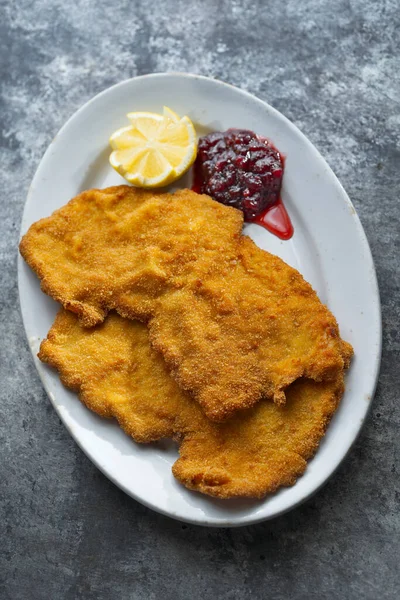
column 362, row 239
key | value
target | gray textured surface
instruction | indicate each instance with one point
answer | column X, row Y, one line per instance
column 333, row 68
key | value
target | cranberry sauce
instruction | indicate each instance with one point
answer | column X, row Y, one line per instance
column 240, row 169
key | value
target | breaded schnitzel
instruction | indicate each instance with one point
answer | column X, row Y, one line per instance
column 248, row 334
column 123, row 246
column 234, row 323
column 118, row 374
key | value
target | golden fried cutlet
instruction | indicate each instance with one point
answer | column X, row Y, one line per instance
column 122, row 246
column 265, row 448
column 234, row 323
column 118, row 374
column 252, row 333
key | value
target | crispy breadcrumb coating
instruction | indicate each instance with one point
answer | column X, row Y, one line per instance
column 234, row 323
column 118, row 374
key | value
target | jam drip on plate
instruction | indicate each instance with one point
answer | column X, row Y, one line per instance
column 240, row 169
column 275, row 218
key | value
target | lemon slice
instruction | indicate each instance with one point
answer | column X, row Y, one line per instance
column 154, row 150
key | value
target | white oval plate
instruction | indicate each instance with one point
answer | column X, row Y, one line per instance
column 329, row 248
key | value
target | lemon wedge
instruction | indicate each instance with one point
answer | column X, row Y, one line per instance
column 154, row 150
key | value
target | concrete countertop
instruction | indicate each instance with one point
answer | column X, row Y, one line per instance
column 332, row 68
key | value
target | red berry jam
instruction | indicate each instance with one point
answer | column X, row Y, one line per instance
column 240, row 169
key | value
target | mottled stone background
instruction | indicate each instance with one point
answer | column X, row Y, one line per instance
column 333, row 68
